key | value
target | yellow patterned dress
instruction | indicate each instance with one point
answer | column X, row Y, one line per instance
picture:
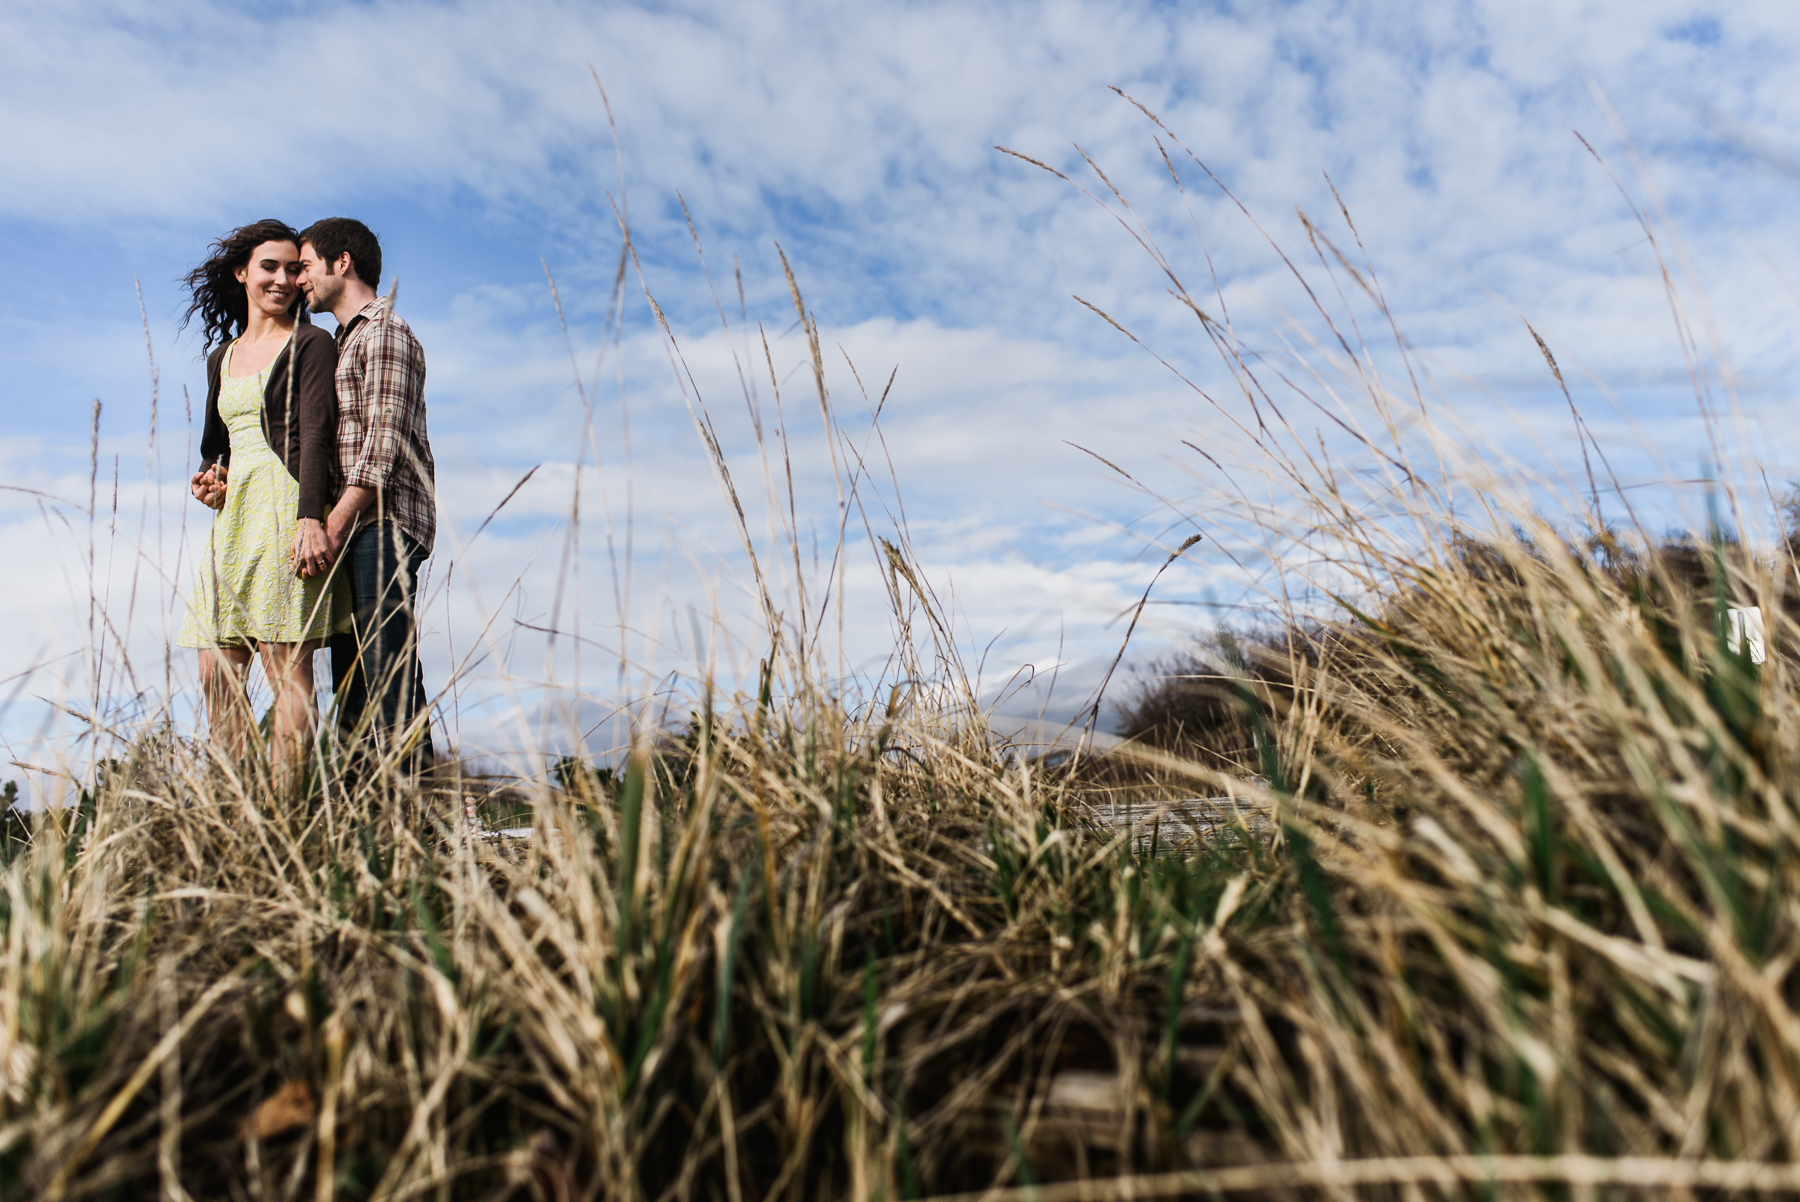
column 245, row 591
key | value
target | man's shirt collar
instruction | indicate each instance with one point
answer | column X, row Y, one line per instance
column 366, row 313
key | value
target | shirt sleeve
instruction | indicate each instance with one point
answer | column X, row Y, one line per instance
column 392, row 381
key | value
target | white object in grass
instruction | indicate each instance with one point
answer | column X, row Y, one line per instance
column 1746, row 626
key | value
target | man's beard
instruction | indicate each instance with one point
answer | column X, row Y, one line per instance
column 323, row 298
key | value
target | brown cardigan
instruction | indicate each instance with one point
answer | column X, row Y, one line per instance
column 306, row 445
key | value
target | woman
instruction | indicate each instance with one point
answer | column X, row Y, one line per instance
column 268, row 464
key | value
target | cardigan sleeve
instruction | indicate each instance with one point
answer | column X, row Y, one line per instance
column 215, row 438
column 315, row 413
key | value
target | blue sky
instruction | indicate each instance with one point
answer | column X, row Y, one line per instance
column 861, row 139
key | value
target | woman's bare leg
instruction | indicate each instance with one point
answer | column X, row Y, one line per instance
column 289, row 667
column 223, row 673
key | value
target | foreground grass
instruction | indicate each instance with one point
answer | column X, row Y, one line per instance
column 1522, row 885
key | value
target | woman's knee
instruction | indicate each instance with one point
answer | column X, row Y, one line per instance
column 289, row 667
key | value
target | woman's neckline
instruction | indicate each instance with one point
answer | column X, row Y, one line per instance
column 231, row 351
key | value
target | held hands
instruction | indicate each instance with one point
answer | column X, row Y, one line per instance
column 313, row 551
column 318, row 544
column 209, row 486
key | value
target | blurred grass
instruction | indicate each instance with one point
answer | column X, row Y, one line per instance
column 1523, row 891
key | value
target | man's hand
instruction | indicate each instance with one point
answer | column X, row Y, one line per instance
column 208, row 486
column 312, row 553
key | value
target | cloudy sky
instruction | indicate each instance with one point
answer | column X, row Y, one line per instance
column 860, row 140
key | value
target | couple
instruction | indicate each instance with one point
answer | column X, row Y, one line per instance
column 314, row 454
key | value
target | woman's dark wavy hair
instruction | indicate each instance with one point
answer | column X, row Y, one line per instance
column 218, row 298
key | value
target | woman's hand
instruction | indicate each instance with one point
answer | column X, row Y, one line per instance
column 209, row 486
column 311, row 553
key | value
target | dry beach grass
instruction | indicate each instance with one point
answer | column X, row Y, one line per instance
column 1498, row 904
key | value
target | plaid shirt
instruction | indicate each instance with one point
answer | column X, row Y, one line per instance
column 381, row 437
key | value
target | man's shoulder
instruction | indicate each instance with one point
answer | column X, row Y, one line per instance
column 397, row 326
column 390, row 326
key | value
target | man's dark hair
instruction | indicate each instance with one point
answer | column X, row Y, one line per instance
column 336, row 235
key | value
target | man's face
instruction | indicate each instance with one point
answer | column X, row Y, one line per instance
column 322, row 283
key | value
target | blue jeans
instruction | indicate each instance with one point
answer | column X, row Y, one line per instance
column 375, row 673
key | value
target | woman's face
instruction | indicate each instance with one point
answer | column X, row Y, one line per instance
column 271, row 278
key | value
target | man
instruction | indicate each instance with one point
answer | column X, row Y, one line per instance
column 385, row 519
